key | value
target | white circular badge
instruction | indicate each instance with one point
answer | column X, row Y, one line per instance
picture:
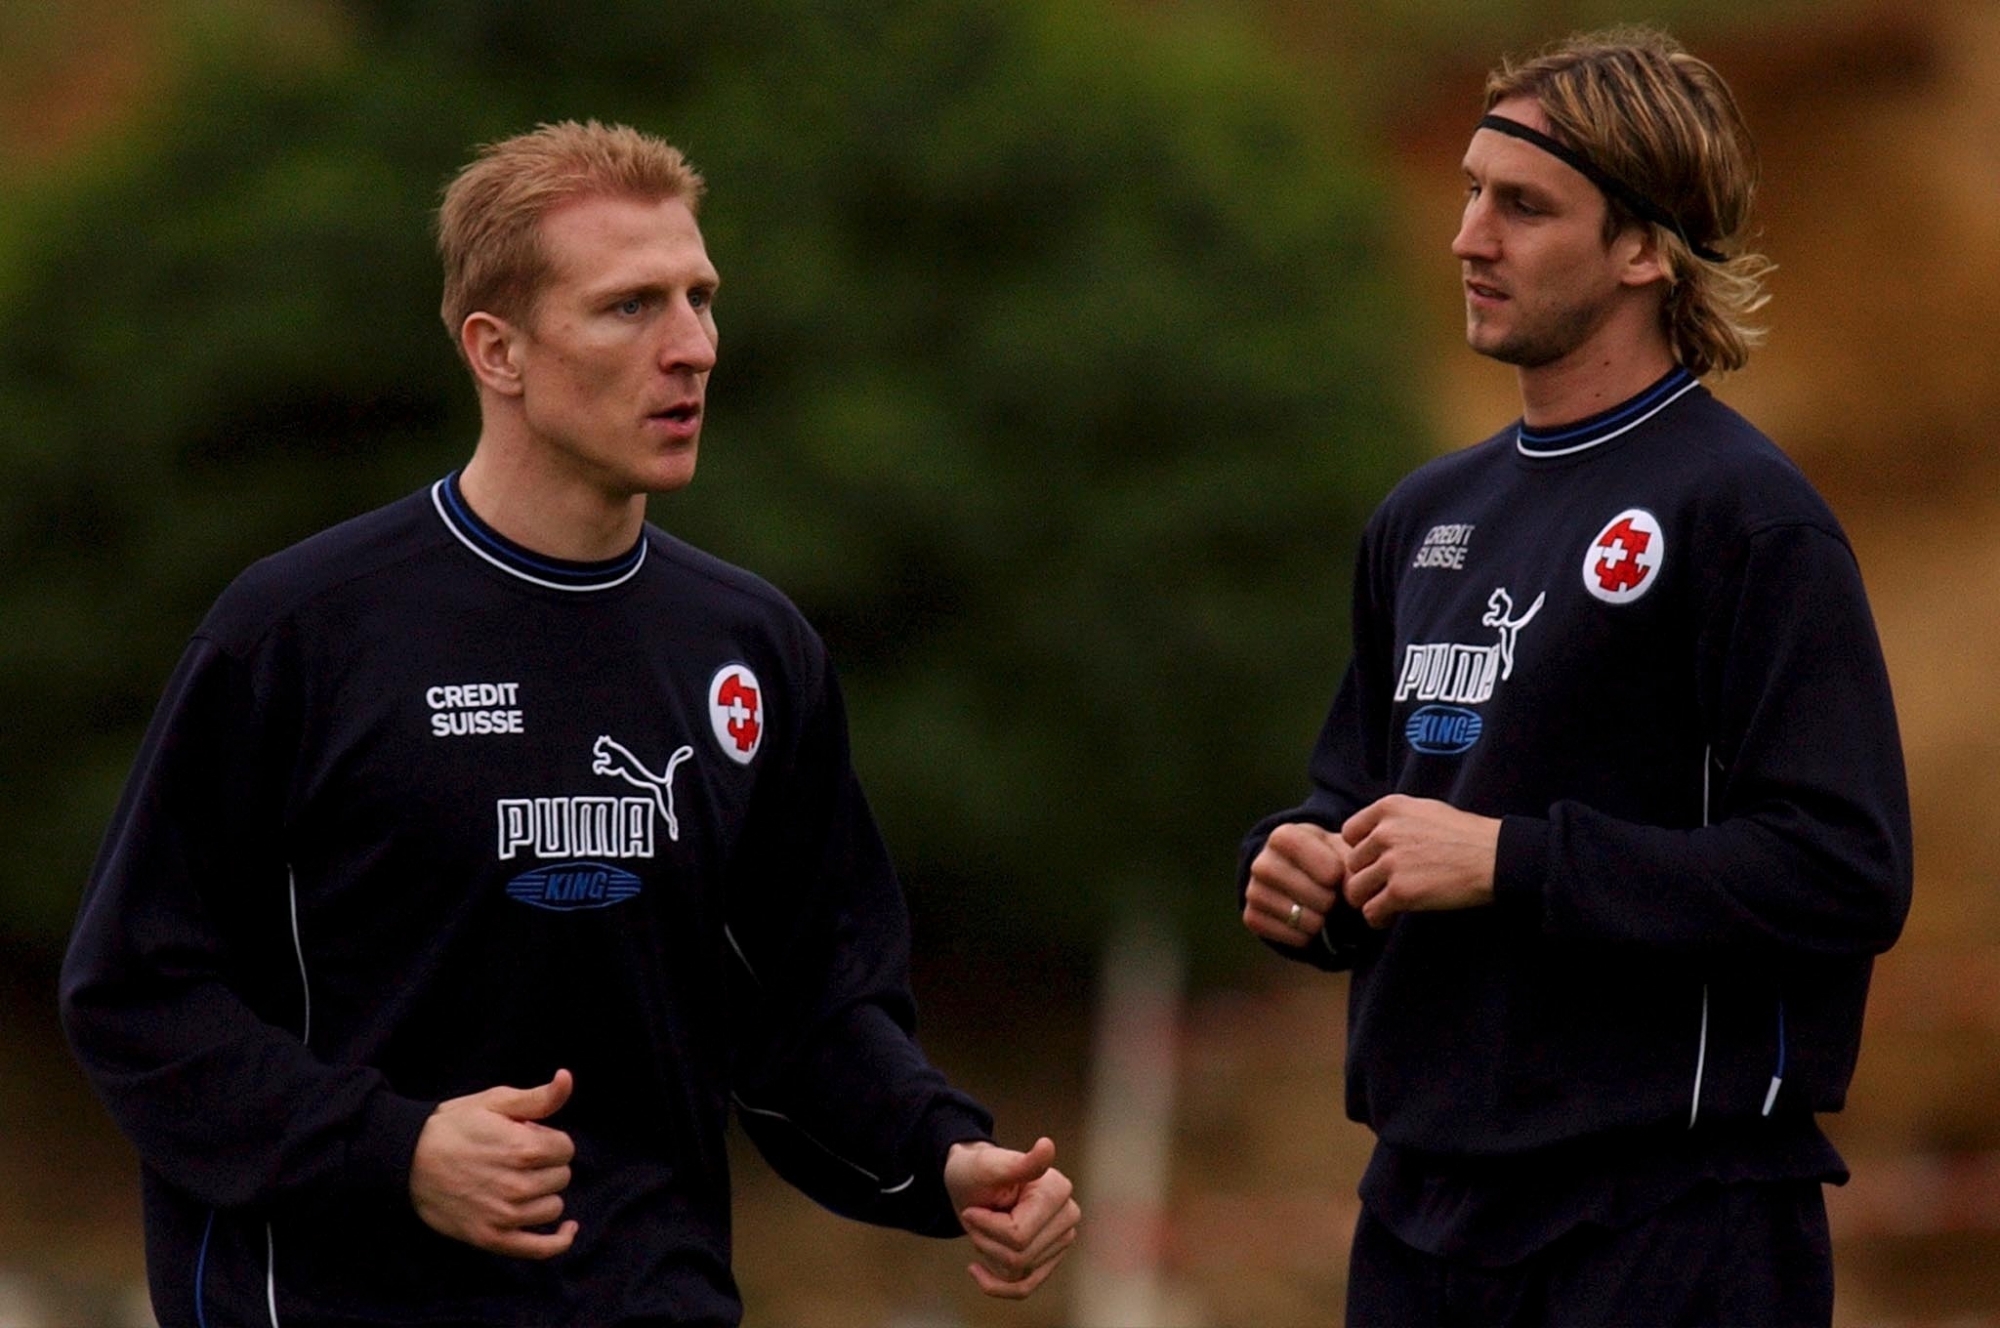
column 1623, row 562
column 736, row 712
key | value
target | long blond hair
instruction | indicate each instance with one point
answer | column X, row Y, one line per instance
column 1664, row 124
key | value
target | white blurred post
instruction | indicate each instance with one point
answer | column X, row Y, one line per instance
column 1128, row 1133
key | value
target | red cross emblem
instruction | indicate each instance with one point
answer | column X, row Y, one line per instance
column 736, row 712
column 1624, row 560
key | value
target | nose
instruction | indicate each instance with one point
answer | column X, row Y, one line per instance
column 688, row 346
column 1475, row 238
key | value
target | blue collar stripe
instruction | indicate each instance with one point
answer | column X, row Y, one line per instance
column 1609, row 424
column 511, row 558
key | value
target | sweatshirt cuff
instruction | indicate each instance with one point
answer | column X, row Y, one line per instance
column 948, row 1122
column 1521, row 864
column 385, row 1142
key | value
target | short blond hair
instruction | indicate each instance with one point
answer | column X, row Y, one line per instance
column 1664, row 124
column 489, row 221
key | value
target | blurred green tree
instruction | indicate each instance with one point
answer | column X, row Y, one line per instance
column 1060, row 366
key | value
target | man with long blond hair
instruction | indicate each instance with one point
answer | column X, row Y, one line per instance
column 1608, row 817
column 488, row 847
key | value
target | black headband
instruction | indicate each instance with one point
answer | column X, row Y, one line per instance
column 1612, row 186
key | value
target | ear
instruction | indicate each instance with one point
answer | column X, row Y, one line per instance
column 1643, row 264
column 491, row 345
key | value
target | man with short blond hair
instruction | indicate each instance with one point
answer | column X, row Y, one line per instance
column 1608, row 817
column 487, row 848
column 489, row 222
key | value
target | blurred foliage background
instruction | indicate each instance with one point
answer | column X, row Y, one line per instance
column 1066, row 345
column 1062, row 360
column 1060, row 365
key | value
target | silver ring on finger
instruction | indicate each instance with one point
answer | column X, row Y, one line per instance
column 1292, row 918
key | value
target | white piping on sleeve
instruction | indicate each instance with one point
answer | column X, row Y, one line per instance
column 742, row 958
column 743, row 1106
column 305, row 1038
column 1700, row 1058
column 1701, row 1048
column 270, row 1276
column 847, row 1162
column 1778, row 1070
column 299, row 950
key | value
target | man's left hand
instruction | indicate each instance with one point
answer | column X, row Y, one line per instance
column 1412, row 855
column 1018, row 1210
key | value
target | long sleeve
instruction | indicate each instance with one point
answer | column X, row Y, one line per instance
column 1807, row 843
column 1647, row 653
column 181, row 990
column 828, row 1078
column 1349, row 768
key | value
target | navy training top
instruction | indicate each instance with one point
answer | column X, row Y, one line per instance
column 422, row 813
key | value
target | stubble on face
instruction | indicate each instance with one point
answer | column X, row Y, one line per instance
column 1549, row 336
column 1533, row 254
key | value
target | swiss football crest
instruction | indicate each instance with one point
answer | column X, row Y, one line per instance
column 736, row 712
column 1623, row 562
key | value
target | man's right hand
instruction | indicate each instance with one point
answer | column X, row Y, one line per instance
column 1303, row 864
column 486, row 1170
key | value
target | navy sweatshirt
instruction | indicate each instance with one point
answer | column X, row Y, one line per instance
column 422, row 813
column 1643, row 643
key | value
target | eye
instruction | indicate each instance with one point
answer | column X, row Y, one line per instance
column 630, row 307
column 701, row 297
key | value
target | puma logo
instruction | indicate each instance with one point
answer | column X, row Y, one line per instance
column 590, row 830
column 612, row 758
column 1466, row 674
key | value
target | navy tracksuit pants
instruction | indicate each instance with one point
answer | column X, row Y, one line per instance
column 1722, row 1255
